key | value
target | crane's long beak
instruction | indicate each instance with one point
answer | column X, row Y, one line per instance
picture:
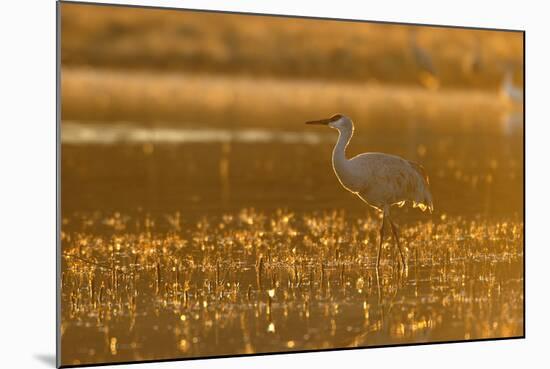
column 319, row 122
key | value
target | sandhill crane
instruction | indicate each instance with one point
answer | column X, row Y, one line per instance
column 508, row 90
column 512, row 115
column 380, row 180
column 472, row 60
column 423, row 60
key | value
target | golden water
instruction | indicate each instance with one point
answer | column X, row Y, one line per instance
column 226, row 247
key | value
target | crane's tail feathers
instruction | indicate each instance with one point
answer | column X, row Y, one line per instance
column 424, row 206
column 420, row 170
column 429, row 203
column 424, row 201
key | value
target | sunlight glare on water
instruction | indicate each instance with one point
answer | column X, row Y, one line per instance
column 78, row 133
column 270, row 284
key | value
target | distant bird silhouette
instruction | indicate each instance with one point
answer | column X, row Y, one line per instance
column 380, row 180
column 472, row 60
column 512, row 114
column 508, row 90
column 423, row 60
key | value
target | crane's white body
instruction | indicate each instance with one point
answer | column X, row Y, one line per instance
column 381, row 180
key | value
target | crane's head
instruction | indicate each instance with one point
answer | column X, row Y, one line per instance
column 337, row 121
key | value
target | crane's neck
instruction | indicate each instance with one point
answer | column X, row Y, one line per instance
column 339, row 159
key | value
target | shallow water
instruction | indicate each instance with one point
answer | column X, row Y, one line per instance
column 125, row 168
column 218, row 245
column 259, row 282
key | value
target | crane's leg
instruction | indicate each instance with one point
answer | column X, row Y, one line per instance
column 396, row 236
column 381, row 240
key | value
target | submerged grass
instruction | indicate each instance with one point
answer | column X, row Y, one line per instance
column 251, row 281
